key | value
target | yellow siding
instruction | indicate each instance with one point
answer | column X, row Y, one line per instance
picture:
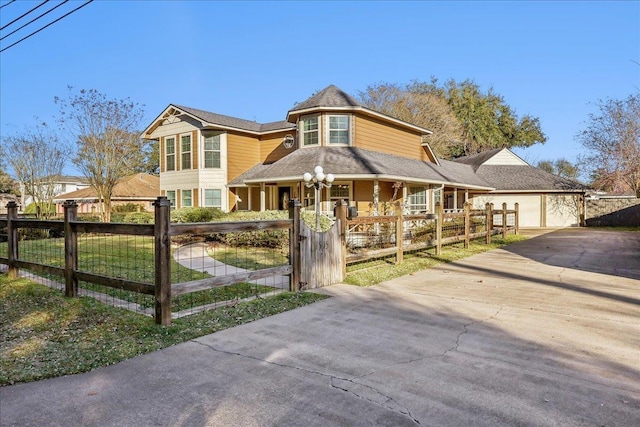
column 195, row 148
column 372, row 134
column 178, row 199
column 271, row 148
column 243, row 152
column 162, row 159
column 195, row 200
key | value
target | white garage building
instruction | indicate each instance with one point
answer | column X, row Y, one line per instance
column 544, row 199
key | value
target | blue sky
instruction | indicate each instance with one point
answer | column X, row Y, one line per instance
column 255, row 60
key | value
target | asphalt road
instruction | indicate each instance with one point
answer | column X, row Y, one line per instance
column 545, row 332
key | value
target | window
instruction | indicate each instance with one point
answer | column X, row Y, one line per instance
column 171, row 197
column 185, row 149
column 338, row 130
column 310, row 131
column 170, row 150
column 418, row 200
column 187, row 201
column 213, row 198
column 212, row 151
column 339, row 192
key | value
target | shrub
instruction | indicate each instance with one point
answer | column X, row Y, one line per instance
column 125, row 208
column 196, row 215
column 46, row 209
column 139, row 218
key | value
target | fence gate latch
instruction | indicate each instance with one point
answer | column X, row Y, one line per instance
column 301, row 238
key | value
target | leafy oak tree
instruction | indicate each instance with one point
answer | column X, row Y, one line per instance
column 611, row 139
column 108, row 146
column 8, row 185
column 37, row 158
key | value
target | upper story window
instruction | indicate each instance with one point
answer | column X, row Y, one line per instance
column 170, row 150
column 212, row 151
column 338, row 130
column 310, row 130
column 185, row 150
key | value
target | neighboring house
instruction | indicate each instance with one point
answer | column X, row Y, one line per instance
column 61, row 184
column 139, row 188
column 208, row 159
column 4, row 200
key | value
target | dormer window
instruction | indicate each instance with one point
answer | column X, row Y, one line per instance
column 310, row 130
column 338, row 130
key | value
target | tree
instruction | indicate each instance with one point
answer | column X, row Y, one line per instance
column 8, row 185
column 561, row 167
column 612, row 142
column 37, row 158
column 473, row 122
column 108, row 144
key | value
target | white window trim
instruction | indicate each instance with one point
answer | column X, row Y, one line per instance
column 190, row 135
column 302, row 132
column 204, row 150
column 427, row 199
column 327, row 133
column 182, row 205
column 166, row 163
column 204, row 198
column 175, row 202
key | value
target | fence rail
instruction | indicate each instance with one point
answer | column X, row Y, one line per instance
column 140, row 259
column 63, row 253
column 380, row 236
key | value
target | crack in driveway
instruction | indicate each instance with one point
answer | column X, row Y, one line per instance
column 361, row 391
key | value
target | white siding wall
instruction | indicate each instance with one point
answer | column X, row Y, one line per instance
column 563, row 210
column 505, row 157
column 529, row 205
column 201, row 178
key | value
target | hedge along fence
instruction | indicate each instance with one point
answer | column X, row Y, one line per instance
column 63, row 262
column 379, row 236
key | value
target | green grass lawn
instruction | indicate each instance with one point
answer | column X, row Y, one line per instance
column 371, row 272
column 44, row 334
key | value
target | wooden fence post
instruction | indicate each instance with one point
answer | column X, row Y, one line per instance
column 467, row 224
column 162, row 261
column 489, row 221
column 504, row 220
column 12, row 239
column 399, row 234
column 294, row 245
column 70, row 249
column 517, row 217
column 439, row 220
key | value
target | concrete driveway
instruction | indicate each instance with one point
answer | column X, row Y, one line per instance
column 544, row 332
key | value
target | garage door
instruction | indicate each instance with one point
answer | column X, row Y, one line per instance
column 562, row 210
column 530, row 206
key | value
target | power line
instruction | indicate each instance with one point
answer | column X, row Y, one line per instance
column 34, row 19
column 24, row 14
column 49, row 24
column 7, row 4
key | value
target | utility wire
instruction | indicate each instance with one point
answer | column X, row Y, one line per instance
column 49, row 24
column 34, row 19
column 23, row 15
column 7, row 4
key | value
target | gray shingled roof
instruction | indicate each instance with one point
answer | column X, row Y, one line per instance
column 331, row 96
column 477, row 160
column 234, row 122
column 349, row 161
column 525, row 178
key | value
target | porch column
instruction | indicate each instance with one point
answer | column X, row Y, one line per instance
column 249, row 207
column 455, row 198
column 466, row 195
column 376, row 196
column 263, row 198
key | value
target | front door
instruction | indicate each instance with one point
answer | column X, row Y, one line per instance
column 284, row 194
